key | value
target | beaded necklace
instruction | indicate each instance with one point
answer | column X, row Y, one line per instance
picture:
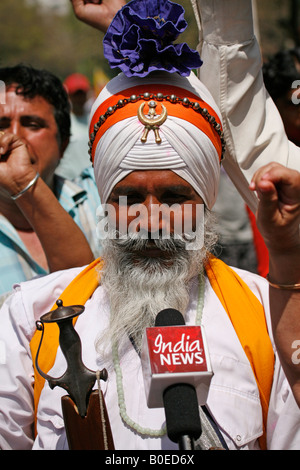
column 195, row 106
column 119, row 377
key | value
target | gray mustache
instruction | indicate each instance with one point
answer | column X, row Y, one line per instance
column 142, row 241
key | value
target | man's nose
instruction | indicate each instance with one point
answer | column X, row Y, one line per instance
column 16, row 129
column 155, row 218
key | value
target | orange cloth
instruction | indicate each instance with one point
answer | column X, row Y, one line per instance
column 247, row 316
column 260, row 246
column 77, row 293
column 244, row 309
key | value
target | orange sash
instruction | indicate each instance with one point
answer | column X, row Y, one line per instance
column 244, row 309
column 248, row 318
column 76, row 293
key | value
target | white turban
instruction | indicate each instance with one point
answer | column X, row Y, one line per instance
column 185, row 148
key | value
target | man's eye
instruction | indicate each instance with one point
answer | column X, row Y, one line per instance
column 127, row 200
column 178, row 198
column 34, row 125
column 4, row 124
column 33, row 122
column 134, row 199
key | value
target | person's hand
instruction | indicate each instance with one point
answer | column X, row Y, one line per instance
column 97, row 13
column 278, row 214
column 17, row 166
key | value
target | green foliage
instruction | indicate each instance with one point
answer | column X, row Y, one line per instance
column 59, row 43
column 63, row 44
column 190, row 36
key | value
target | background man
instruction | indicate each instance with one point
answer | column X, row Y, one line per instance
column 76, row 156
column 281, row 76
column 35, row 127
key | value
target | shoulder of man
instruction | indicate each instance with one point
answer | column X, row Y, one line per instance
column 38, row 295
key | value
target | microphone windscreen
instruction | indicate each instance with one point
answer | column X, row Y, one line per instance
column 169, row 317
column 180, row 400
column 182, row 412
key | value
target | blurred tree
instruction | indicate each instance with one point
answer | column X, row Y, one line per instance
column 16, row 18
column 295, row 20
column 278, row 22
column 190, row 35
column 59, row 43
column 62, row 44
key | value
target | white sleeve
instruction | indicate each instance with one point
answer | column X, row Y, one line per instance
column 16, row 377
column 232, row 72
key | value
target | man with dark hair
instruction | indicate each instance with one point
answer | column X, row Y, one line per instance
column 282, row 78
column 39, row 209
column 30, row 82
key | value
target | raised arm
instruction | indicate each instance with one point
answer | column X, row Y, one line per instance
column 63, row 242
column 232, row 72
column 278, row 218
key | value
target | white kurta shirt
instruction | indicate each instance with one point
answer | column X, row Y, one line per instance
column 233, row 398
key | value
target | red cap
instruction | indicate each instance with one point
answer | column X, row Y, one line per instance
column 76, row 82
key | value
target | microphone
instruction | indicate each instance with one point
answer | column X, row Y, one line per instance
column 177, row 374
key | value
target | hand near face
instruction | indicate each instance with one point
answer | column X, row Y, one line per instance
column 278, row 215
column 16, row 164
column 29, row 142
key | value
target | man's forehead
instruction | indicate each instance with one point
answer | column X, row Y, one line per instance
column 17, row 103
column 152, row 179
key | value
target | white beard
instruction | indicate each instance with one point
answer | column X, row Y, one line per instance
column 139, row 287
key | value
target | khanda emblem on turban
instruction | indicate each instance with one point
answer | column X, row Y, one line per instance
column 152, row 121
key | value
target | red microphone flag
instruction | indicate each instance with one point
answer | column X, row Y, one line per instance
column 175, row 354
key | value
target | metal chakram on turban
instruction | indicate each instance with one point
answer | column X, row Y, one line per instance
column 159, row 121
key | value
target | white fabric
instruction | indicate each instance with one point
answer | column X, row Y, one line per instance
column 231, row 70
column 185, row 149
column 233, row 397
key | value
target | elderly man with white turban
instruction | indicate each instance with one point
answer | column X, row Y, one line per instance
column 156, row 139
column 189, row 144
